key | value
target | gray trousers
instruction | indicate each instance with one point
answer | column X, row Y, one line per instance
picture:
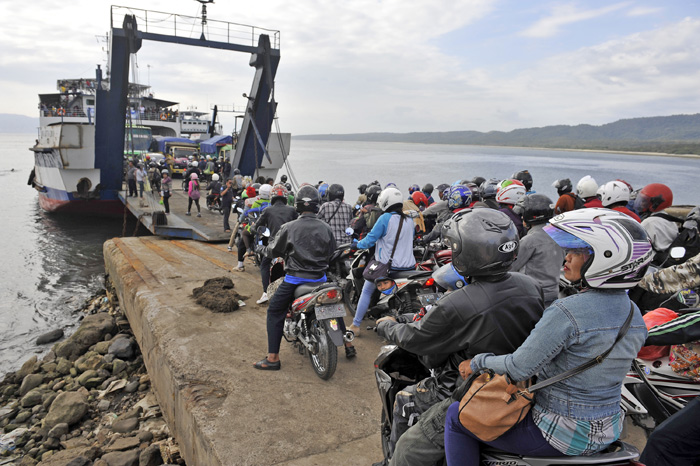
column 409, row 407
column 424, row 442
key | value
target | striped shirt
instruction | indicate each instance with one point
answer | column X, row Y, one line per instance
column 574, row 437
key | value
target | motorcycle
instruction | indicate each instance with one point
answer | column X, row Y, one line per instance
column 312, row 322
column 432, row 256
column 214, row 203
column 396, row 369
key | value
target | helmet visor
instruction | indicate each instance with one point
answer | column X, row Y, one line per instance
column 567, row 241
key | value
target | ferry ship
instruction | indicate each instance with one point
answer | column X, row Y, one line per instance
column 65, row 173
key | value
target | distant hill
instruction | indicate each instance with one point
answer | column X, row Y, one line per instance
column 11, row 123
column 679, row 134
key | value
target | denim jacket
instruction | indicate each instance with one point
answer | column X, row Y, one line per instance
column 572, row 331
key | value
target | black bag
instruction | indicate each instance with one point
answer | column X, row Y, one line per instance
column 376, row 269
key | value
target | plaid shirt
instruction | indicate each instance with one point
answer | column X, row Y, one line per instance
column 338, row 215
column 574, row 437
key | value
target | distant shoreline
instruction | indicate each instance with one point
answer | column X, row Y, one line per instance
column 562, row 149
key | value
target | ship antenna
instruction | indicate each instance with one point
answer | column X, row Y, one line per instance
column 204, row 15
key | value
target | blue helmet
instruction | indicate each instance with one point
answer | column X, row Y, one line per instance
column 390, row 185
column 458, row 197
column 322, row 189
column 413, row 188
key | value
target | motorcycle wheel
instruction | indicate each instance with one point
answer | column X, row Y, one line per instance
column 350, row 297
column 325, row 360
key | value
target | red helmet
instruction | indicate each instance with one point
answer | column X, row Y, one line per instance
column 653, row 198
column 419, row 198
column 279, row 191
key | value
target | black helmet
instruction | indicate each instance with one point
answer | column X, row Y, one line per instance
column 283, row 179
column 372, row 193
column 428, row 189
column 489, row 189
column 478, row 180
column 441, row 188
column 307, row 199
column 335, row 191
column 236, row 171
column 563, row 186
column 256, row 186
column 484, row 242
column 362, row 188
column 524, row 177
column 535, row 208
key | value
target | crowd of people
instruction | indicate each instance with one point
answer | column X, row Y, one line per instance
column 511, row 245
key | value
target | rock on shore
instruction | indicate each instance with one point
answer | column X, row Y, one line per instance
column 88, row 402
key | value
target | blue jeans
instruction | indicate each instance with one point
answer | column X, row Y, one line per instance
column 462, row 447
column 363, row 303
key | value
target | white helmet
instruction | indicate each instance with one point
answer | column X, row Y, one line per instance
column 510, row 192
column 215, row 177
column 586, row 187
column 613, row 192
column 194, row 164
column 264, row 191
column 388, row 198
column 619, row 247
column 165, row 172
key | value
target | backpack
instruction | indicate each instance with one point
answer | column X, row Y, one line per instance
column 194, row 189
column 578, row 202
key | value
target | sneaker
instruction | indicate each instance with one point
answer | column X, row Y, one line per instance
column 230, row 248
column 350, row 352
column 355, row 330
column 198, row 214
column 240, row 268
column 263, row 299
column 188, row 213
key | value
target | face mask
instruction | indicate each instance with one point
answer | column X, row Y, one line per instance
column 389, row 291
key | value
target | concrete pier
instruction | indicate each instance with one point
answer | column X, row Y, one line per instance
column 220, row 409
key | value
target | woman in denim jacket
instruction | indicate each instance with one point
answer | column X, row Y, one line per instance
column 606, row 253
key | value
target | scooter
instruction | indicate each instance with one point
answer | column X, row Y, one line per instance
column 214, row 203
column 396, row 369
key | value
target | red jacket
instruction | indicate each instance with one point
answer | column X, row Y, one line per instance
column 626, row 211
column 593, row 202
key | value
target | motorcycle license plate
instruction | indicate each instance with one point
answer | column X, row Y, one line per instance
column 329, row 311
column 429, row 298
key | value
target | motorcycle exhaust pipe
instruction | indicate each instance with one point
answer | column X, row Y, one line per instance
column 349, row 336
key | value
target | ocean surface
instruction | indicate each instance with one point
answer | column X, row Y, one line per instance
column 52, row 263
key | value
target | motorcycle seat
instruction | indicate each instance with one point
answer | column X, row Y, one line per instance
column 309, row 287
column 409, row 273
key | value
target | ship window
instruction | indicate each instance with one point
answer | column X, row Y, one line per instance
column 90, row 101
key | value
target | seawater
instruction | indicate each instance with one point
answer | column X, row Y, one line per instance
column 52, row 263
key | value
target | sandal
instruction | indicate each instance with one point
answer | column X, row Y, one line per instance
column 265, row 365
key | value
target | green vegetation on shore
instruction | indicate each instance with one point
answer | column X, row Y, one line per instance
column 676, row 134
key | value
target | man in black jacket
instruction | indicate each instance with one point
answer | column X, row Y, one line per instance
column 273, row 218
column 494, row 313
column 306, row 244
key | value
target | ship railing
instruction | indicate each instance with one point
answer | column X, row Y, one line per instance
column 151, row 115
column 169, row 24
column 62, row 112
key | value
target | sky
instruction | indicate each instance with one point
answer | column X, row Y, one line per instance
column 387, row 65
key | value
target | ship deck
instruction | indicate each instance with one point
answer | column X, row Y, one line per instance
column 208, row 228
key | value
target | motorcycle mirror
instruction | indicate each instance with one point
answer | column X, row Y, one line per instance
column 240, row 210
column 349, row 231
column 358, row 206
column 677, row 252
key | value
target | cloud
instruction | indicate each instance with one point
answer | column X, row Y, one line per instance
column 644, row 11
column 562, row 15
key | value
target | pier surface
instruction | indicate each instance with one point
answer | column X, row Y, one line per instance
column 220, row 409
column 209, row 227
